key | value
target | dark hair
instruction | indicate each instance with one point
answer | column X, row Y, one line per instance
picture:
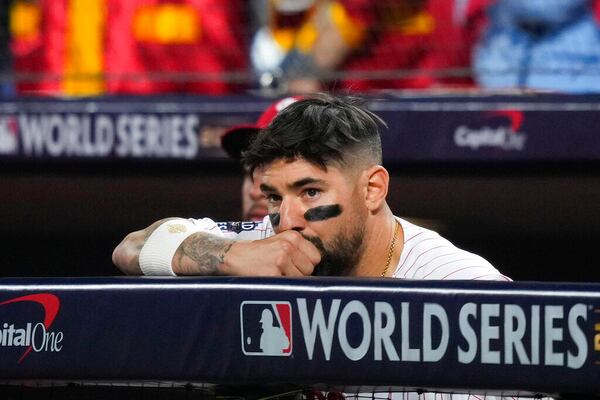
column 319, row 129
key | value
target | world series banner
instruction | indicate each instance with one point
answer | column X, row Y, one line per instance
column 425, row 129
column 109, row 129
column 484, row 337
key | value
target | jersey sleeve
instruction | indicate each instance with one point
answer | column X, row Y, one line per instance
column 239, row 230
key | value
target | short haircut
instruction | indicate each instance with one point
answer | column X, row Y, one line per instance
column 320, row 129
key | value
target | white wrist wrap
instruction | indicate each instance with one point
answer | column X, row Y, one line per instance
column 158, row 251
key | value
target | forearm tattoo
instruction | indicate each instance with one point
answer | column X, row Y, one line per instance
column 201, row 254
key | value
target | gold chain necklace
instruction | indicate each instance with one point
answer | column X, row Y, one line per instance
column 391, row 251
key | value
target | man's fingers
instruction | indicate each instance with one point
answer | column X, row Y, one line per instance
column 305, row 255
column 292, row 270
column 287, row 253
column 310, row 251
column 310, row 255
column 303, row 264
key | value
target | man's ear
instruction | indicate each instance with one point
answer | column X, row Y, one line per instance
column 377, row 180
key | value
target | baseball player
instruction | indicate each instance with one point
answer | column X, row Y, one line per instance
column 319, row 165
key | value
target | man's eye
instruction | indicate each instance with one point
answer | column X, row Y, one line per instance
column 312, row 193
column 273, row 198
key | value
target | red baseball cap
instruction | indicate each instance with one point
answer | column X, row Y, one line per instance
column 237, row 138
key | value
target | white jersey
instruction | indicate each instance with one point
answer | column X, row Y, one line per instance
column 427, row 255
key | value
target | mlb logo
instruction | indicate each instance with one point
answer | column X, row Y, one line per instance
column 266, row 328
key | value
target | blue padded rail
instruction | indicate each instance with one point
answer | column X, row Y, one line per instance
column 515, row 337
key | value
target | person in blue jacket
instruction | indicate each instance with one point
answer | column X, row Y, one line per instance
column 540, row 44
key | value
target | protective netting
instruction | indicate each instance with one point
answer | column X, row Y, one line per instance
column 82, row 390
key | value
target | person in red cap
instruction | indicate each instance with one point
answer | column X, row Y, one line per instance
column 236, row 140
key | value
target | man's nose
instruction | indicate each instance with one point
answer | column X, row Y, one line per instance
column 291, row 216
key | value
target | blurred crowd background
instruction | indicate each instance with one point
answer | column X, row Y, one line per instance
column 62, row 60
column 141, row 47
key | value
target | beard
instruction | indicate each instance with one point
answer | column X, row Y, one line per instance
column 343, row 255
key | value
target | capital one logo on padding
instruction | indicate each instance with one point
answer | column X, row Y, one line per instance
column 31, row 335
column 266, row 328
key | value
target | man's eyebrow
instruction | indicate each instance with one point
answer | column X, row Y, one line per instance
column 305, row 181
column 266, row 188
column 294, row 185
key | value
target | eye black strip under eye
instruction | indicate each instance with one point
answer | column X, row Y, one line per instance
column 274, row 219
column 322, row 213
